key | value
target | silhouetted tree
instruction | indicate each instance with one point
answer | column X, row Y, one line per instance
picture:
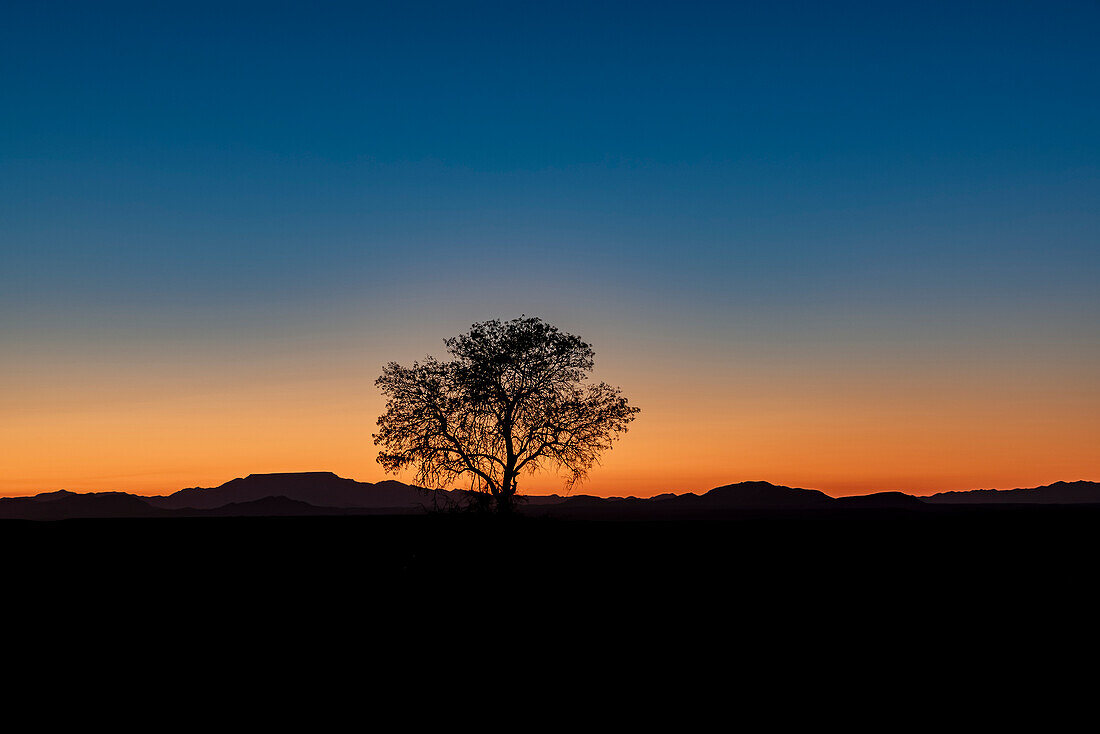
column 513, row 399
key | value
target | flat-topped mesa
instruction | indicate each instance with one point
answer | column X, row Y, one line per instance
column 312, row 475
column 274, row 482
column 319, row 488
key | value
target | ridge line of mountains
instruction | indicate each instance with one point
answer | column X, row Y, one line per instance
column 325, row 493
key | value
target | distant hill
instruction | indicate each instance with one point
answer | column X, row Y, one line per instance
column 757, row 495
column 741, row 496
column 1059, row 493
column 319, row 489
column 266, row 507
column 881, row 501
column 64, row 505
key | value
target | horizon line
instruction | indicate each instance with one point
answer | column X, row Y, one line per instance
column 550, row 494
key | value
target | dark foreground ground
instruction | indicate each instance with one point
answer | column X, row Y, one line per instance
column 918, row 566
column 962, row 601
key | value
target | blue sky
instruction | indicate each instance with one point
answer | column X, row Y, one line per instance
column 702, row 178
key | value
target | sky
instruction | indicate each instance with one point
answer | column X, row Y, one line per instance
column 846, row 246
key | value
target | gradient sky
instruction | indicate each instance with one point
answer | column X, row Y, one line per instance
column 848, row 246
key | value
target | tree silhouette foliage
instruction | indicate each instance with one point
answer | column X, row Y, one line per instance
column 514, row 399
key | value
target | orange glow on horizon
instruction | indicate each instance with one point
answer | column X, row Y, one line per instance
column 843, row 433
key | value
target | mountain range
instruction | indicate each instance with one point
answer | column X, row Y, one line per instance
column 324, row 493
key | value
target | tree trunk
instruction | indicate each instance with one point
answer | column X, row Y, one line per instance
column 506, row 500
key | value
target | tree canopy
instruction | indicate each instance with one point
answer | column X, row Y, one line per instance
column 515, row 398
